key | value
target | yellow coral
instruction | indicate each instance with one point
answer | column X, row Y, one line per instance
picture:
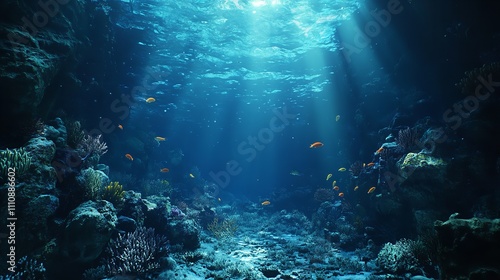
column 113, row 193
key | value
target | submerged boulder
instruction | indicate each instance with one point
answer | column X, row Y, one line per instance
column 87, row 230
column 421, row 166
column 469, row 248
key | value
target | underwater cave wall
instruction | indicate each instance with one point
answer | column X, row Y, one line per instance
column 39, row 39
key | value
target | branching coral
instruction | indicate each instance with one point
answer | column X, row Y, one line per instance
column 93, row 183
column 93, row 145
column 27, row 268
column 113, row 193
column 224, row 229
column 407, row 139
column 136, row 252
column 157, row 187
column 18, row 160
column 400, row 257
column 75, row 133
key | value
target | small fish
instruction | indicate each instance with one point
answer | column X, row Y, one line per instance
column 336, row 188
column 218, row 199
column 329, row 176
column 341, row 194
column 356, row 188
column 264, row 203
column 370, row 164
column 191, row 175
column 379, row 150
column 120, row 126
column 334, row 183
column 164, row 170
column 129, row 156
column 342, row 169
column 295, row 173
column 150, row 100
column 158, row 138
column 372, row 189
column 364, row 165
column 316, row 145
column 337, row 118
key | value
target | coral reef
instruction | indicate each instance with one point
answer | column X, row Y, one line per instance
column 407, row 139
column 113, row 193
column 421, row 167
column 75, row 133
column 398, row 258
column 56, row 132
column 91, row 182
column 91, row 145
column 136, row 252
column 223, row 230
column 17, row 161
column 27, row 269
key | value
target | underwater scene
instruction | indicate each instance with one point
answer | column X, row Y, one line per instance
column 249, row 139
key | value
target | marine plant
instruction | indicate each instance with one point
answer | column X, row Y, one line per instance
column 92, row 183
column 17, row 159
column 91, row 145
column 136, row 252
column 469, row 83
column 407, row 139
column 224, row 229
column 157, row 187
column 75, row 133
column 113, row 193
column 27, row 268
column 399, row 258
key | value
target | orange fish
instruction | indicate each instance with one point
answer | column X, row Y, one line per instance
column 264, row 203
column 129, row 156
column 150, row 100
column 158, row 138
column 164, row 170
column 120, row 126
column 316, row 145
column 379, row 150
column 336, row 188
column 372, row 189
column 356, row 188
column 341, row 194
column 370, row 164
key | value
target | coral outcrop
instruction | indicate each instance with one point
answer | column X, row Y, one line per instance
column 87, row 230
column 469, row 248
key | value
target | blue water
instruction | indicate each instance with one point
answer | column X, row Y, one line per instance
column 220, row 70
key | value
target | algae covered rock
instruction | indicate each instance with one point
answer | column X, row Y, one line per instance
column 87, row 230
column 420, row 166
column 469, row 248
column 34, row 225
column 56, row 131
